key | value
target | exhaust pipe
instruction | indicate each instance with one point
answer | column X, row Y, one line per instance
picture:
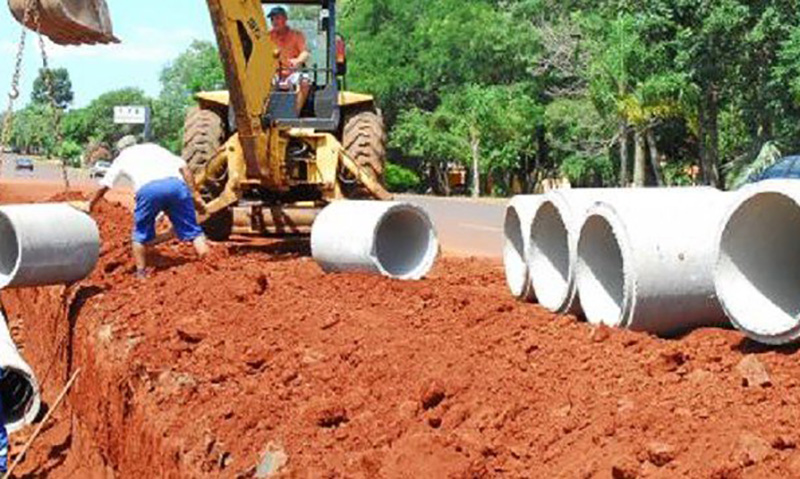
column 18, row 385
column 757, row 273
column 517, row 231
column 45, row 244
column 645, row 260
column 69, row 22
column 390, row 238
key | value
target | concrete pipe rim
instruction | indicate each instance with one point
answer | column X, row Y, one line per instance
column 514, row 254
column 605, row 276
column 20, row 396
column 551, row 258
column 761, row 303
column 414, row 263
column 10, row 250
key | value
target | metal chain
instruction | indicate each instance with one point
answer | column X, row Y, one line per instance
column 13, row 94
column 48, row 80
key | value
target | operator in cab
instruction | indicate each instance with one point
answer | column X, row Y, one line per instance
column 162, row 183
column 293, row 55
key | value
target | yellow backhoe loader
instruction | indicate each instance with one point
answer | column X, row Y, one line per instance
column 261, row 166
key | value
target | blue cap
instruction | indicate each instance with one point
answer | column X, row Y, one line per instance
column 277, row 11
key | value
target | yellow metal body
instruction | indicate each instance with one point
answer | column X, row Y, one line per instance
column 256, row 155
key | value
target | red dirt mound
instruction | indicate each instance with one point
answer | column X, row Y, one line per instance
column 255, row 357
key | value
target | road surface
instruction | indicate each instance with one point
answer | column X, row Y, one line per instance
column 465, row 227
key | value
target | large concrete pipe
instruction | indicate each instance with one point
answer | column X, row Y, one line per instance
column 48, row 243
column 645, row 259
column 757, row 272
column 386, row 237
column 19, row 388
column 552, row 255
column 516, row 229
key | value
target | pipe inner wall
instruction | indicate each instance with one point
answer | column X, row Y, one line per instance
column 405, row 243
column 758, row 269
column 601, row 277
column 516, row 230
column 550, row 257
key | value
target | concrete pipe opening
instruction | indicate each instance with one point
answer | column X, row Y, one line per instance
column 405, row 244
column 516, row 268
column 20, row 398
column 9, row 250
column 601, row 272
column 758, row 268
column 549, row 258
column 391, row 238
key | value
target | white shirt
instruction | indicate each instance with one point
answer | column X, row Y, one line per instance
column 142, row 164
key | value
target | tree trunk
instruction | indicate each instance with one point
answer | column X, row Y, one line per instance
column 640, row 163
column 713, row 139
column 623, row 154
column 701, row 140
column 709, row 137
column 651, row 142
column 475, row 146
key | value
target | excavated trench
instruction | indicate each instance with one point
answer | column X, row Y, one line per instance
column 96, row 432
column 257, row 359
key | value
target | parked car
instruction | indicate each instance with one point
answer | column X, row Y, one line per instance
column 99, row 169
column 24, row 164
column 786, row 168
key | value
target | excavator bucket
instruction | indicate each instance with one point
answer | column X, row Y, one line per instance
column 68, row 22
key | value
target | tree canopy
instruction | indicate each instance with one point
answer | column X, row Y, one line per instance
column 518, row 91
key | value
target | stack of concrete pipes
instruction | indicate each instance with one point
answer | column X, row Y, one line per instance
column 41, row 244
column 662, row 260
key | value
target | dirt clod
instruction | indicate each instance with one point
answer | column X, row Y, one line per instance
column 432, row 395
column 753, row 372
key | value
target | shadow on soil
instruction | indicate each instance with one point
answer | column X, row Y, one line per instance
column 283, row 249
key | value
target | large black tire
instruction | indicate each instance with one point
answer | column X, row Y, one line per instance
column 364, row 140
column 203, row 134
column 219, row 226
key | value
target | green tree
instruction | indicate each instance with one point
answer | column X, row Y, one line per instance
column 32, row 129
column 56, row 81
column 197, row 69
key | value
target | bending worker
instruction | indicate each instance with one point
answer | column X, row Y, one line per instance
column 293, row 55
column 162, row 182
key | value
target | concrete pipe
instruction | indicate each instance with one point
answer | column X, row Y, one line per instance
column 552, row 255
column 48, row 243
column 386, row 237
column 757, row 271
column 18, row 385
column 516, row 229
column 645, row 260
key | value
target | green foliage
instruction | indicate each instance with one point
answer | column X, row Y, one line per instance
column 70, row 152
column 524, row 89
column 60, row 83
column 32, row 129
column 197, row 69
column 100, row 115
column 401, row 179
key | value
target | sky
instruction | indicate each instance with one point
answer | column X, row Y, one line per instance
column 152, row 35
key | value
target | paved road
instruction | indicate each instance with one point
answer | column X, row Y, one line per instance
column 43, row 170
column 465, row 226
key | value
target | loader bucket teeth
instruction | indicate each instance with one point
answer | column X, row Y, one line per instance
column 69, row 22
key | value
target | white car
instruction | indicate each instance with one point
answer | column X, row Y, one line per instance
column 99, row 169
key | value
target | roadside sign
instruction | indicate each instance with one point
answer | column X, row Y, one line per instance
column 131, row 115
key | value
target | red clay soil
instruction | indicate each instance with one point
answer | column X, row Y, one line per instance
column 203, row 368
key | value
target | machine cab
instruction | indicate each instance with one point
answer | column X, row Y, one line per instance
column 322, row 73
